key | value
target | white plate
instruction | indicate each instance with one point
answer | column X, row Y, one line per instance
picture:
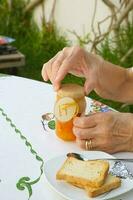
column 73, row 193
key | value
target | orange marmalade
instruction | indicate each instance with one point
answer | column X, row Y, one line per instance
column 70, row 102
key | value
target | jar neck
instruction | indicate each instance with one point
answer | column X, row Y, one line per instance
column 76, row 99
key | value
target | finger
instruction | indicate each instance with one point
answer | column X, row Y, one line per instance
column 82, row 144
column 46, row 76
column 109, row 147
column 99, row 145
column 89, row 85
column 48, row 70
column 63, row 70
column 44, row 73
column 65, row 66
column 85, row 134
column 56, row 66
column 95, row 145
column 54, row 74
column 85, row 122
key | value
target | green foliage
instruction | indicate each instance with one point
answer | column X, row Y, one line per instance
column 14, row 22
column 38, row 45
column 114, row 48
column 40, row 50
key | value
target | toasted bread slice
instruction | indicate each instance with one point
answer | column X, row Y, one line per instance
column 111, row 183
column 86, row 173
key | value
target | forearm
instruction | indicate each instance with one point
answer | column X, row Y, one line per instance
column 118, row 82
column 124, row 92
column 127, row 87
column 130, row 132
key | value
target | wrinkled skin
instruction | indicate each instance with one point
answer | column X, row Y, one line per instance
column 76, row 61
column 110, row 132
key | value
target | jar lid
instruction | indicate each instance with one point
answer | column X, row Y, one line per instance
column 71, row 90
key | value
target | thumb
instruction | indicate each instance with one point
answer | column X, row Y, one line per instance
column 89, row 85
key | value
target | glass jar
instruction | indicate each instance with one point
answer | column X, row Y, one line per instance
column 70, row 102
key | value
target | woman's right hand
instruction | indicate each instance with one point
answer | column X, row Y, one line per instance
column 108, row 80
column 76, row 61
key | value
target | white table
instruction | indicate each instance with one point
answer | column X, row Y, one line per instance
column 24, row 101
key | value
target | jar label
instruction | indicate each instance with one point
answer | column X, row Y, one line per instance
column 65, row 109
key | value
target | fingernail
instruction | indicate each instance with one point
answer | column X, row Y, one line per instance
column 45, row 79
column 56, row 87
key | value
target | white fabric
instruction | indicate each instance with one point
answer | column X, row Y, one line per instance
column 24, row 101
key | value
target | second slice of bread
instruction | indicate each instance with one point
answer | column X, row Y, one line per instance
column 85, row 173
column 111, row 183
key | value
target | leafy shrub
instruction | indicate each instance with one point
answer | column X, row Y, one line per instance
column 41, row 45
column 114, row 49
column 37, row 45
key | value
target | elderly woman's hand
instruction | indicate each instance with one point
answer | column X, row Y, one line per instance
column 110, row 132
column 76, row 61
column 109, row 81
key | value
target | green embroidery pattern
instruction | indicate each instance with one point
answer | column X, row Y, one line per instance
column 48, row 121
column 24, row 182
column 51, row 124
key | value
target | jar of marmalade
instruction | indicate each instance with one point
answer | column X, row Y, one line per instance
column 70, row 102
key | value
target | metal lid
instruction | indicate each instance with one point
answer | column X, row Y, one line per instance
column 71, row 90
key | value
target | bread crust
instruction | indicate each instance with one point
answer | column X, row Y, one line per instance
column 106, row 187
column 93, row 192
column 103, row 182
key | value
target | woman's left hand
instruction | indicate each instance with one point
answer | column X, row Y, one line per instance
column 110, row 132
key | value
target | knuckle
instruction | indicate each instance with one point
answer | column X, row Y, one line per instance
column 83, row 122
column 108, row 116
column 50, row 62
column 66, row 61
column 78, row 49
column 98, row 117
column 80, row 143
column 105, row 130
column 59, row 53
column 60, row 56
column 56, row 62
column 107, row 141
column 81, row 135
column 74, row 130
column 78, row 132
column 65, row 49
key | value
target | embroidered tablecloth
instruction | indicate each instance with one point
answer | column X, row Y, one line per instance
column 27, row 141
